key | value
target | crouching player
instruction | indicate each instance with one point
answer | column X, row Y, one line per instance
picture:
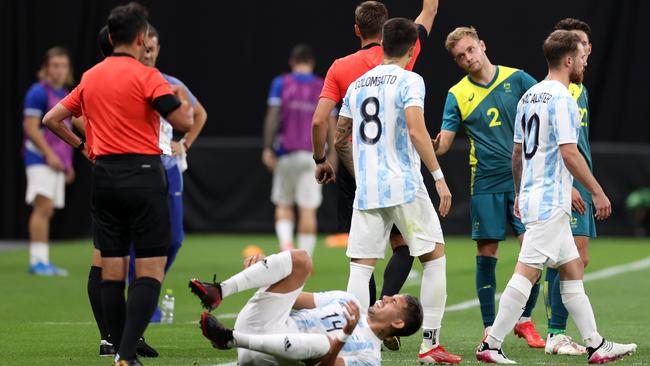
column 326, row 328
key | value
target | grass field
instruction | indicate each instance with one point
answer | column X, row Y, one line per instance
column 47, row 321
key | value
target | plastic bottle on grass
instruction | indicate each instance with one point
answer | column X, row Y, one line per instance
column 167, row 308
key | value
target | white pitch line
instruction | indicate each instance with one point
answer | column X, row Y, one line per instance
column 593, row 276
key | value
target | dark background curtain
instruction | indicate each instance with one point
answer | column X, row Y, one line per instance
column 227, row 52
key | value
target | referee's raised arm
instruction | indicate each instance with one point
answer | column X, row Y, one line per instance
column 122, row 101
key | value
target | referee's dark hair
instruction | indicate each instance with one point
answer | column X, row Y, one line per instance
column 400, row 34
column 571, row 24
column 369, row 16
column 125, row 22
column 302, row 54
column 104, row 42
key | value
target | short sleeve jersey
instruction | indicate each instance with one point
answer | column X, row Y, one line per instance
column 116, row 98
column 347, row 69
column 487, row 112
column 362, row 348
column 386, row 164
column 547, row 117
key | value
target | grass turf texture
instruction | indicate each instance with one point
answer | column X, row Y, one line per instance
column 48, row 321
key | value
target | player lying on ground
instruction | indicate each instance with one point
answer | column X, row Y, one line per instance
column 327, row 327
column 545, row 159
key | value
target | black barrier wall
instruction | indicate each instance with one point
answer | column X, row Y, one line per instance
column 228, row 52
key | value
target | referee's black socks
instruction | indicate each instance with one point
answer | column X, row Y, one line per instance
column 95, row 297
column 114, row 307
column 141, row 303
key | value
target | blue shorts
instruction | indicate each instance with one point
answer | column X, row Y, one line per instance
column 585, row 224
column 490, row 213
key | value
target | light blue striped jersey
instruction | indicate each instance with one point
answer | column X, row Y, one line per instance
column 363, row 348
column 386, row 164
column 547, row 117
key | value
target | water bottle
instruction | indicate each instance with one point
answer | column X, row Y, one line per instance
column 167, row 308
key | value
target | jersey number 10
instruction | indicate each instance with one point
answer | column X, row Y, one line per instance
column 370, row 128
column 531, row 131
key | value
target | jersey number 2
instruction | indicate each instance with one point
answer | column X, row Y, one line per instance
column 370, row 128
column 531, row 131
column 494, row 113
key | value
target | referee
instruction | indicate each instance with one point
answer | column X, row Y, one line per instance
column 122, row 101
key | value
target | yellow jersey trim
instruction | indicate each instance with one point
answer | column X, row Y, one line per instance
column 470, row 95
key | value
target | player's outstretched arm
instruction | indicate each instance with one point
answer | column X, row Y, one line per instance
column 575, row 162
column 422, row 142
column 342, row 143
column 428, row 14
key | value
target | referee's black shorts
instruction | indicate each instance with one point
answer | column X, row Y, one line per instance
column 129, row 196
column 347, row 188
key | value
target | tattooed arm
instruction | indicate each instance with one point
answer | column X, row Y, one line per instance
column 342, row 142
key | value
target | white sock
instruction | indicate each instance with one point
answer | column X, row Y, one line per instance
column 284, row 231
column 358, row 284
column 307, row 242
column 39, row 252
column 511, row 306
column 265, row 273
column 577, row 304
column 524, row 319
column 433, row 294
column 293, row 346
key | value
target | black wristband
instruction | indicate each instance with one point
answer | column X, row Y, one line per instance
column 321, row 160
column 81, row 146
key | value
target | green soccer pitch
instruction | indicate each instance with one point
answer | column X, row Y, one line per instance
column 48, row 321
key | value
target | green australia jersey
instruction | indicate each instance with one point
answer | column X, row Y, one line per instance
column 579, row 93
column 488, row 114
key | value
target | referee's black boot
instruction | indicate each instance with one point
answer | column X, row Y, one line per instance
column 106, row 349
column 145, row 350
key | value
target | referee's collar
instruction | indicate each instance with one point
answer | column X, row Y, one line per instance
column 122, row 54
column 370, row 45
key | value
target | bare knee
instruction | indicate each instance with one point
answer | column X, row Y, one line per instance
column 43, row 207
column 307, row 223
column 301, row 262
column 487, row 248
column 582, row 243
column 153, row 267
column 284, row 213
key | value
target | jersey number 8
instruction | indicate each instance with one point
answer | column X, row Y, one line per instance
column 370, row 128
column 527, row 128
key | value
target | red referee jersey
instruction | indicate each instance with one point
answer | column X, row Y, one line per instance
column 347, row 69
column 116, row 98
